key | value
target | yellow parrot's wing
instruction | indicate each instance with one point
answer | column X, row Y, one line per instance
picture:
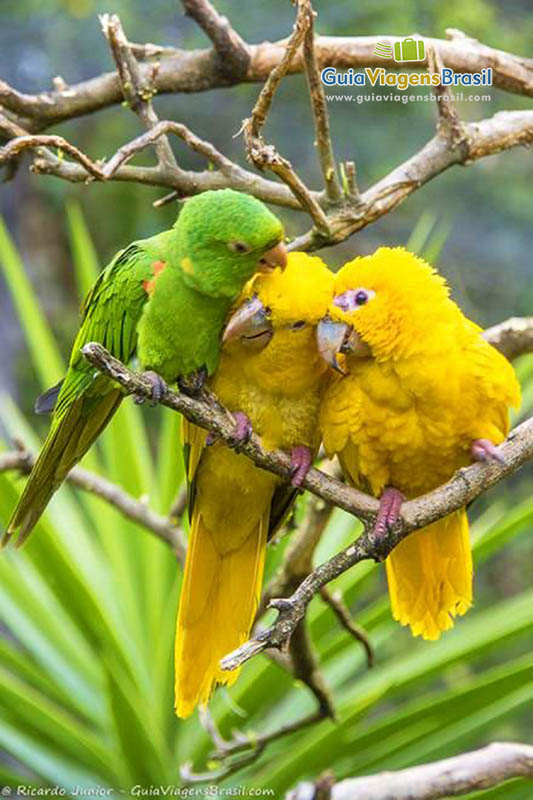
column 491, row 379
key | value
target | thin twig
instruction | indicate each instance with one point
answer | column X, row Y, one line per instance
column 340, row 609
column 320, row 110
column 257, row 741
column 306, row 668
column 449, row 122
column 16, row 146
column 297, row 561
column 133, row 509
column 158, row 131
column 137, row 85
column 266, row 156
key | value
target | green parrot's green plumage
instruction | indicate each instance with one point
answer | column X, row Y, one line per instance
column 164, row 299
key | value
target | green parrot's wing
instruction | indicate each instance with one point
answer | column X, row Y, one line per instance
column 85, row 401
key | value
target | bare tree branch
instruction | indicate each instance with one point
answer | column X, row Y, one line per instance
column 513, row 338
column 130, row 507
column 451, row 777
column 198, row 71
column 233, row 54
column 503, row 131
column 336, row 215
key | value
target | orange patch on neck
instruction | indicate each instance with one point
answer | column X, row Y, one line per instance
column 157, row 269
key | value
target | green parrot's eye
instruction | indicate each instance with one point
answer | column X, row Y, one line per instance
column 239, row 247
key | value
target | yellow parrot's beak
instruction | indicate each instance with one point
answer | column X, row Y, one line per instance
column 334, row 338
column 275, row 257
column 330, row 337
column 250, row 323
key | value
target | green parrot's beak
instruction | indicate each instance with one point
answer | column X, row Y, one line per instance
column 250, row 323
column 275, row 257
column 330, row 337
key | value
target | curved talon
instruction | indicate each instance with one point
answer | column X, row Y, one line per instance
column 159, row 388
column 241, row 433
column 301, row 460
column 486, row 451
column 193, row 384
column 243, row 429
column 389, row 510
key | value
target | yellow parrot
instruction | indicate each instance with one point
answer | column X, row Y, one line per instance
column 271, row 376
column 423, row 394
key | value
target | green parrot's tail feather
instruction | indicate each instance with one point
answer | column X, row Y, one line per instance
column 68, row 441
column 46, row 402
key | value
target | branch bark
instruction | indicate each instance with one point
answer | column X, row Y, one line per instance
column 451, row 777
column 187, row 71
column 233, row 54
column 513, row 338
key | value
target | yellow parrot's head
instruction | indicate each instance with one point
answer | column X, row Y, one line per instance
column 385, row 306
column 290, row 300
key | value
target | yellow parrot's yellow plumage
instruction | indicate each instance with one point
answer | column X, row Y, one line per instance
column 422, row 385
column 277, row 382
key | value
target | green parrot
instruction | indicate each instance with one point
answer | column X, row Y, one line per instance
column 164, row 299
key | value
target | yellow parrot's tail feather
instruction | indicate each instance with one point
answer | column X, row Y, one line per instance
column 430, row 576
column 218, row 604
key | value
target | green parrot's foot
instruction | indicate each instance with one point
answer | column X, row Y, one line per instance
column 159, row 388
column 241, row 434
column 486, row 451
column 301, row 460
column 390, row 505
column 193, row 383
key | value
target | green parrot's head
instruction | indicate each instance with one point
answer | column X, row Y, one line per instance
column 223, row 238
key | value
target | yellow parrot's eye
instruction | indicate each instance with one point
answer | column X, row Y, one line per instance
column 353, row 298
column 239, row 247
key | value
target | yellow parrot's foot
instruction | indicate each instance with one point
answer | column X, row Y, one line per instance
column 301, row 460
column 241, row 433
column 390, row 504
column 486, row 451
column 159, row 388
